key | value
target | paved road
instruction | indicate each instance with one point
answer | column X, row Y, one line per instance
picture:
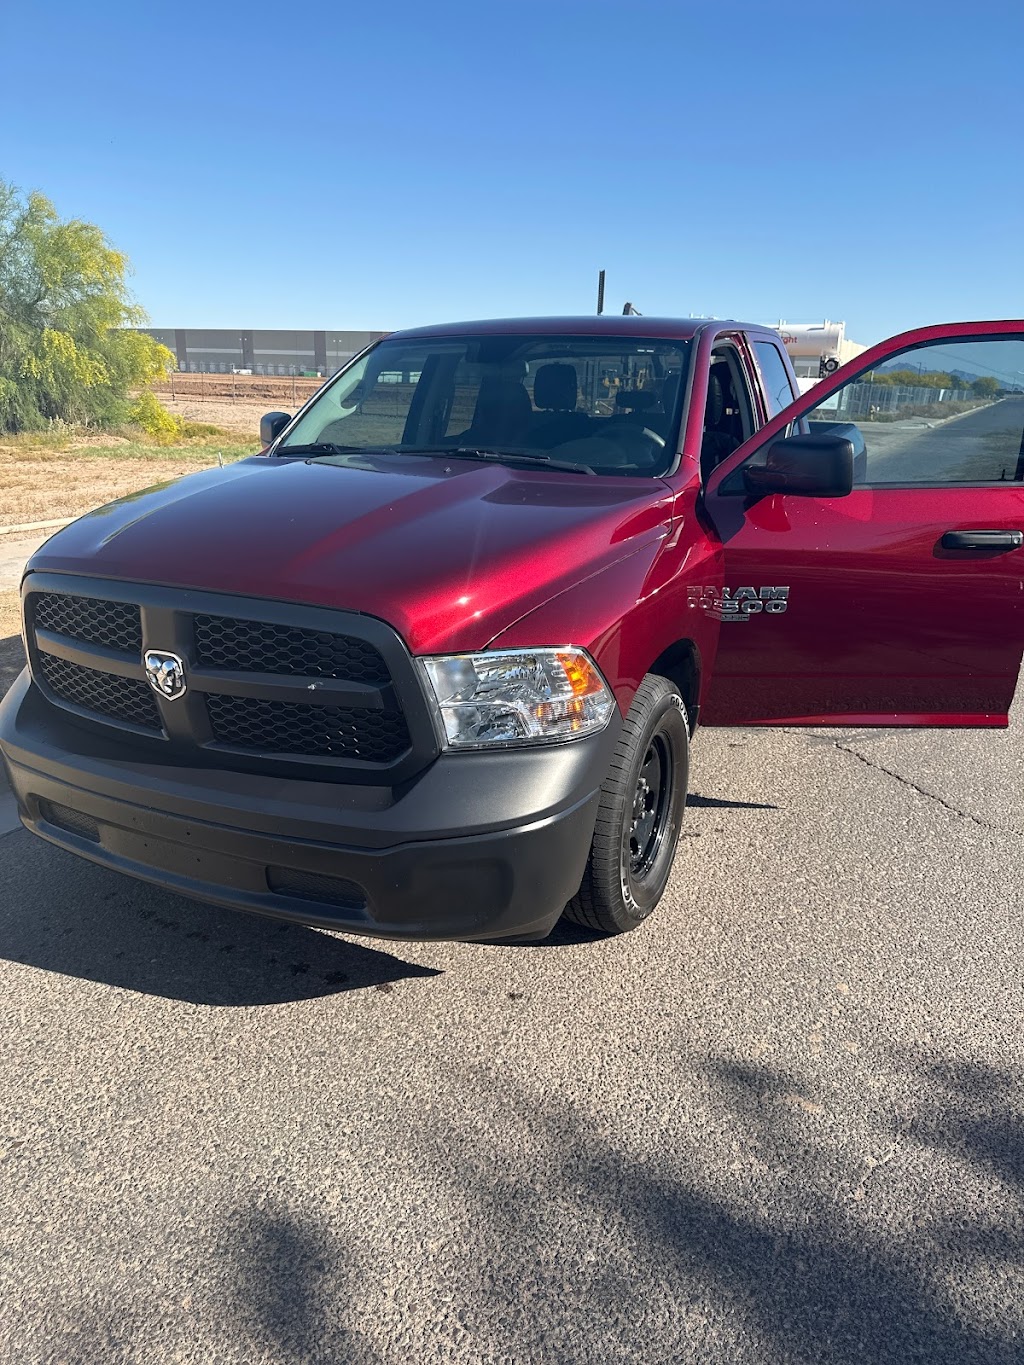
column 782, row 1123
column 982, row 445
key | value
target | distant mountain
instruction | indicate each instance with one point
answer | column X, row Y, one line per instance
column 968, row 375
column 1003, row 360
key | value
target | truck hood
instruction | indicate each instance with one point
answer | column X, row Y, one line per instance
column 447, row 552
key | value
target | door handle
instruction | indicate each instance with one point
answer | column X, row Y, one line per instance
column 982, row 540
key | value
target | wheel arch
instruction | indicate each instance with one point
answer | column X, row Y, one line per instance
column 681, row 664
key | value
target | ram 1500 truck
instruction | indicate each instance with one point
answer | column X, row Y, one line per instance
column 429, row 664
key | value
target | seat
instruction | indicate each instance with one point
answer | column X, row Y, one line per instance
column 662, row 421
column 718, row 440
column 555, row 390
column 501, row 416
column 635, row 405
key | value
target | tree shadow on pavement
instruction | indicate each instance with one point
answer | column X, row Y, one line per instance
column 792, row 1248
column 515, row 1226
column 290, row 1287
column 64, row 915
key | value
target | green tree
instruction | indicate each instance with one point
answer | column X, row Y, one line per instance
column 986, row 386
column 918, row 379
column 63, row 306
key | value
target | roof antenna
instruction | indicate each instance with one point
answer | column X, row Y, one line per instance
column 600, row 292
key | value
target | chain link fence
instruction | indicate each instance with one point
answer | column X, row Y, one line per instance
column 893, row 402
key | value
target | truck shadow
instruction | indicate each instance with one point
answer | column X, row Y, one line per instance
column 12, row 661
column 718, row 803
column 62, row 915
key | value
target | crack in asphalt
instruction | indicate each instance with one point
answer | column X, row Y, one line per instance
column 930, row 795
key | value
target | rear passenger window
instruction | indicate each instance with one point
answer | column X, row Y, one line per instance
column 774, row 376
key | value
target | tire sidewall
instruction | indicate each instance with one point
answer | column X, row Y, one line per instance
column 639, row 897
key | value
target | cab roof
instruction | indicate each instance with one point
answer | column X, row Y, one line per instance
column 611, row 325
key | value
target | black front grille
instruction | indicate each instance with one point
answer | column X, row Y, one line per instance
column 117, row 625
column 128, row 699
column 280, row 727
column 309, row 688
column 262, row 647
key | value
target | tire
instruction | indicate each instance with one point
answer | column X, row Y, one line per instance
column 637, row 829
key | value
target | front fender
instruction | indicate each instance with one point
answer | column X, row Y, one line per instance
column 632, row 612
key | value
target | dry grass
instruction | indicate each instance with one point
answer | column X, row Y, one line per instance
column 50, row 486
column 241, row 418
column 43, row 478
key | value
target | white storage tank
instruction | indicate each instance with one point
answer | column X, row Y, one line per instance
column 817, row 348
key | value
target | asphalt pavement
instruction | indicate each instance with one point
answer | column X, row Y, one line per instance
column 783, row 1122
column 982, row 445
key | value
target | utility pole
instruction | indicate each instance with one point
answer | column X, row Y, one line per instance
column 600, row 292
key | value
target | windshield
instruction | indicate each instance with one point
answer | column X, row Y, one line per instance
column 606, row 404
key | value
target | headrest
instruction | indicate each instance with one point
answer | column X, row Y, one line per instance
column 501, row 403
column 555, row 388
column 639, row 400
column 715, row 409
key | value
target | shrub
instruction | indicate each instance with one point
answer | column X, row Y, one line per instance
column 154, row 419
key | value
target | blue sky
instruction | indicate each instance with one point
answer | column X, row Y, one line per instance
column 388, row 164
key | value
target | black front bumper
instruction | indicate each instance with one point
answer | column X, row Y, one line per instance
column 478, row 846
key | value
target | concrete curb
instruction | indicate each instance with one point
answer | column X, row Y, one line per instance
column 37, row 525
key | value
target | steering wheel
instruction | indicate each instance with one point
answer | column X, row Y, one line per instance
column 640, row 446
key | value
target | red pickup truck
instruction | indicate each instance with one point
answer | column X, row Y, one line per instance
column 429, row 665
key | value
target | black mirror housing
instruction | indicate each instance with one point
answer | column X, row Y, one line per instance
column 271, row 426
column 806, row 466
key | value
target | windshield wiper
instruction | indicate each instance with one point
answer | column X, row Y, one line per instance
column 498, row 454
column 503, row 455
column 319, row 448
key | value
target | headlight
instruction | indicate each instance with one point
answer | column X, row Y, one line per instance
column 521, row 696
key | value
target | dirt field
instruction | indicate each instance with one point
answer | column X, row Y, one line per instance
column 240, row 418
column 242, row 388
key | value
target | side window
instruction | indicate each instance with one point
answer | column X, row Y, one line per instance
column 728, row 413
column 950, row 413
column 365, row 407
column 935, row 416
column 775, row 380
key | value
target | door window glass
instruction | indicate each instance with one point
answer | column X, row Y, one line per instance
column 774, row 376
column 950, row 413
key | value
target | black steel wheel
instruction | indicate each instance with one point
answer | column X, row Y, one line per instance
column 640, row 814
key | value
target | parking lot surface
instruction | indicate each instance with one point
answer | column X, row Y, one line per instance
column 783, row 1122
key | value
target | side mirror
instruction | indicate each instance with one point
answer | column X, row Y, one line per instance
column 853, row 433
column 807, row 466
column 271, row 426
